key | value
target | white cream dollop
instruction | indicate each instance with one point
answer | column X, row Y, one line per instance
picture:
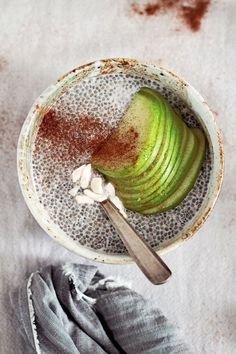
column 76, row 175
column 90, row 188
column 95, row 196
column 86, row 176
column 83, row 199
column 97, row 185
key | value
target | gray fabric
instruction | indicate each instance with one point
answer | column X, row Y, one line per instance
column 74, row 309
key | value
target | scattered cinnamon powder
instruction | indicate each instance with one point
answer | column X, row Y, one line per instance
column 192, row 15
column 190, row 12
column 149, row 9
column 66, row 138
column 118, row 149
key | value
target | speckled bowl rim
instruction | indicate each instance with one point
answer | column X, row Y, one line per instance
column 106, row 66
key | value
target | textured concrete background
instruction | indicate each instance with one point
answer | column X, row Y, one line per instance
column 41, row 40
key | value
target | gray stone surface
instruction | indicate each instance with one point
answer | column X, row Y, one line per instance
column 39, row 41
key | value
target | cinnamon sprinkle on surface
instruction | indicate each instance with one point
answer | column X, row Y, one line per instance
column 67, row 138
column 119, row 149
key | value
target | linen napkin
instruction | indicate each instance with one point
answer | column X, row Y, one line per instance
column 73, row 309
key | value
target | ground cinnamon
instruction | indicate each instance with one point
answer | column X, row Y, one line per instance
column 192, row 15
column 120, row 149
column 190, row 12
column 66, row 138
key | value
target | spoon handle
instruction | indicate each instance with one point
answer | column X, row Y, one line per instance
column 148, row 261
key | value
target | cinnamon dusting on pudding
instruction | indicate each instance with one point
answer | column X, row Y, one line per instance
column 67, row 138
column 122, row 148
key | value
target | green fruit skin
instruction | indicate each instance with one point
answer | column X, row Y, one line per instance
column 187, row 184
column 160, row 136
column 169, row 134
column 164, row 157
column 186, row 156
column 168, row 163
column 161, row 178
column 161, row 160
column 151, row 145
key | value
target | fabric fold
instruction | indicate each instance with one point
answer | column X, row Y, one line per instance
column 73, row 309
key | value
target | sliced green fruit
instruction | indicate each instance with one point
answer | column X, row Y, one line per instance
column 168, row 168
column 143, row 123
column 170, row 136
column 186, row 156
column 152, row 157
column 187, row 183
column 160, row 137
column 161, row 162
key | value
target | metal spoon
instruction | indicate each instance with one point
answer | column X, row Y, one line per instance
column 147, row 260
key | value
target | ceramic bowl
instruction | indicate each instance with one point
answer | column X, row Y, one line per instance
column 104, row 88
